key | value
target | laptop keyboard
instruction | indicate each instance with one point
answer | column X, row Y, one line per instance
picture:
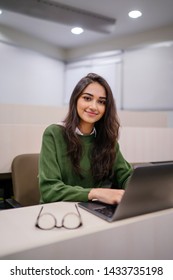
column 106, row 211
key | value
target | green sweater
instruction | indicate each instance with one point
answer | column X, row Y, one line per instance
column 56, row 176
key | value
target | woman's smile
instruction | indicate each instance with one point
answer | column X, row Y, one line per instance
column 91, row 113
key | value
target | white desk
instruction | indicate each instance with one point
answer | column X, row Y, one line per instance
column 144, row 237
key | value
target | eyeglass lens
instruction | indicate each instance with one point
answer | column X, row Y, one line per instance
column 46, row 221
column 71, row 221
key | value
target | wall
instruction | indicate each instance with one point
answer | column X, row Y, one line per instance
column 141, row 79
column 28, row 77
column 35, row 68
column 148, row 78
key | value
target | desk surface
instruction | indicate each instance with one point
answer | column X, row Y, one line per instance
column 144, row 237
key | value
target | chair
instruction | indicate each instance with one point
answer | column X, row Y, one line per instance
column 25, row 180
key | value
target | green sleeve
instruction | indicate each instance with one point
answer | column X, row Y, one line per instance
column 123, row 169
column 52, row 187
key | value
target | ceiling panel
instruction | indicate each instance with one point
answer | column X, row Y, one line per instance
column 156, row 13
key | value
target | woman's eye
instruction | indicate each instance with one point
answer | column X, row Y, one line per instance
column 102, row 102
column 86, row 98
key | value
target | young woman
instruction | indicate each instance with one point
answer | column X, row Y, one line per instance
column 80, row 159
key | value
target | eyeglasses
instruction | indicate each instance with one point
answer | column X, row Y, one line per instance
column 48, row 221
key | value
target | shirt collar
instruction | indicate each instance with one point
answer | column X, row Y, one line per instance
column 80, row 133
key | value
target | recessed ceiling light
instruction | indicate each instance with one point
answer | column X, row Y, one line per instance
column 0, row 12
column 77, row 30
column 135, row 14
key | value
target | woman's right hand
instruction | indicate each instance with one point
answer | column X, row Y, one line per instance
column 109, row 196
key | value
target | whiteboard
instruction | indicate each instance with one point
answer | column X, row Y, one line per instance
column 148, row 78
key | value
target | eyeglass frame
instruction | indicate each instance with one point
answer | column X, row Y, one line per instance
column 62, row 221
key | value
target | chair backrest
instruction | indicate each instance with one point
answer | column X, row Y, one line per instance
column 25, row 179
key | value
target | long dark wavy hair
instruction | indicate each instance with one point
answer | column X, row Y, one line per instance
column 107, row 132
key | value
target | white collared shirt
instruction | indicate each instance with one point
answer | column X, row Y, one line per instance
column 77, row 130
column 80, row 133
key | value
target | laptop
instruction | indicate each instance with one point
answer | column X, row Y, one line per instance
column 149, row 189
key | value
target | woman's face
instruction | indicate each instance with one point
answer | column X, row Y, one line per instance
column 91, row 104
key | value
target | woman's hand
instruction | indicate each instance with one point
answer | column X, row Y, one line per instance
column 109, row 196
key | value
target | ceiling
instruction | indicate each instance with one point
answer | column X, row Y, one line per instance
column 156, row 14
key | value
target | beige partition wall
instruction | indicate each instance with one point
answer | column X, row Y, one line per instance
column 147, row 144
column 144, row 136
